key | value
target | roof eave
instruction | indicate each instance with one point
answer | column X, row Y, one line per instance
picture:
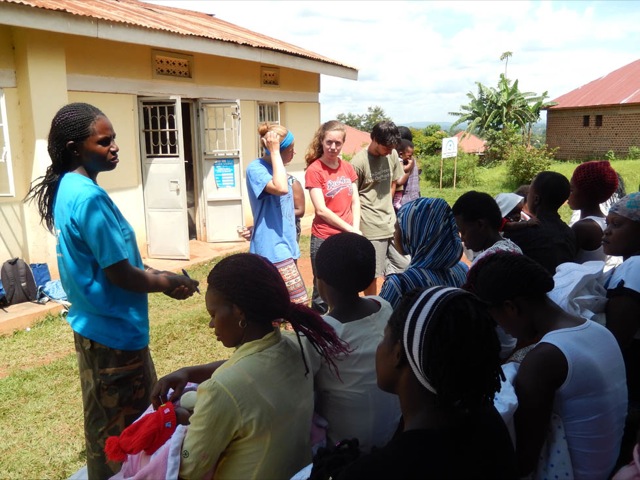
column 584, row 107
column 61, row 22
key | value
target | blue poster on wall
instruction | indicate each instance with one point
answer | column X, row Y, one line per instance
column 223, row 173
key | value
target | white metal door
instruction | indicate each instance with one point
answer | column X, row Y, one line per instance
column 221, row 167
column 164, row 186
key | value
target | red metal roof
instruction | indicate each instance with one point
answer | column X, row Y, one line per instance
column 172, row 20
column 620, row 87
column 469, row 143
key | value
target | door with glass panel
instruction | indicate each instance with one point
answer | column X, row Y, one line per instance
column 163, row 175
column 221, row 169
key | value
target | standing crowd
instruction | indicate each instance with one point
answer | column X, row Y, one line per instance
column 437, row 369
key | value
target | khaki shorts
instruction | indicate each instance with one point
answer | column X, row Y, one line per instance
column 381, row 247
column 116, row 386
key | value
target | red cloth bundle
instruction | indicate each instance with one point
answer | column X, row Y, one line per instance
column 149, row 433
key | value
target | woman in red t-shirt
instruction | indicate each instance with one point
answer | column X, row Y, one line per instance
column 333, row 190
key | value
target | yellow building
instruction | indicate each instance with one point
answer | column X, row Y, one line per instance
column 185, row 92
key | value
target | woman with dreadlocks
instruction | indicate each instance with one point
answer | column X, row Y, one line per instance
column 575, row 372
column 440, row 355
column 253, row 412
column 103, row 275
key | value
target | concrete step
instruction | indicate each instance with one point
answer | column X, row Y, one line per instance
column 24, row 315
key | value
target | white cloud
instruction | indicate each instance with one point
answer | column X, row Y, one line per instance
column 418, row 59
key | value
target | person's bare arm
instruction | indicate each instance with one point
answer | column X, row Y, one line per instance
column 177, row 380
column 128, row 277
column 322, row 211
column 588, row 234
column 298, row 199
column 355, row 207
column 407, row 173
column 278, row 184
column 541, row 373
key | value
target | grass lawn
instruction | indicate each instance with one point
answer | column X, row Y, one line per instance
column 40, row 404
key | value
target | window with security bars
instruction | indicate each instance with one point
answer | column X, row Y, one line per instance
column 7, row 188
column 221, row 124
column 267, row 112
column 160, row 129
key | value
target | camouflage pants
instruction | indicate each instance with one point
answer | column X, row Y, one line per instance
column 115, row 391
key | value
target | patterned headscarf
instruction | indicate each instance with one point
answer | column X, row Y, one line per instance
column 430, row 235
column 628, row 207
column 425, row 309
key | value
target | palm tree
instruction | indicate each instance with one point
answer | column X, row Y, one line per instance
column 505, row 58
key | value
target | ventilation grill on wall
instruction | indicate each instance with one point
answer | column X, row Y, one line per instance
column 270, row 77
column 168, row 64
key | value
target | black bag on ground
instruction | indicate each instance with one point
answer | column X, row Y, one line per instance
column 18, row 281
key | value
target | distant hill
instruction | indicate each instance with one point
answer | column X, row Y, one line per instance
column 444, row 125
column 538, row 128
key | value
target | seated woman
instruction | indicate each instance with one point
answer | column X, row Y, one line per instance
column 592, row 183
column 426, row 230
column 622, row 238
column 352, row 403
column 575, row 371
column 440, row 356
column 253, row 412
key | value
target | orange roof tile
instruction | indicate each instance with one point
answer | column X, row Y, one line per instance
column 469, row 143
column 172, row 20
column 356, row 140
column 620, row 87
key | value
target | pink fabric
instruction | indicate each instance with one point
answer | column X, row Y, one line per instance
column 163, row 464
column 337, row 189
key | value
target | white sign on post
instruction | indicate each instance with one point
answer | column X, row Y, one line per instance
column 449, row 150
column 450, row 147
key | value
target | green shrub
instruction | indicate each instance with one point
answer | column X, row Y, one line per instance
column 610, row 155
column 525, row 163
column 499, row 143
column 634, row 153
column 465, row 170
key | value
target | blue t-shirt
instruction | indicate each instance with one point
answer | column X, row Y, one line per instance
column 274, row 222
column 92, row 235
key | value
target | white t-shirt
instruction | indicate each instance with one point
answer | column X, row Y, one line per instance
column 353, row 404
column 592, row 402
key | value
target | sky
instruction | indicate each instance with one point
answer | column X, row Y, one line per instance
column 417, row 60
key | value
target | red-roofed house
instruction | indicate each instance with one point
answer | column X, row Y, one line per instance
column 185, row 92
column 469, row 143
column 600, row 116
column 356, row 140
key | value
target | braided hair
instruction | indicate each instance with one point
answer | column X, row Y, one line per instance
column 503, row 276
column 460, row 350
column 255, row 286
column 347, row 262
column 72, row 123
